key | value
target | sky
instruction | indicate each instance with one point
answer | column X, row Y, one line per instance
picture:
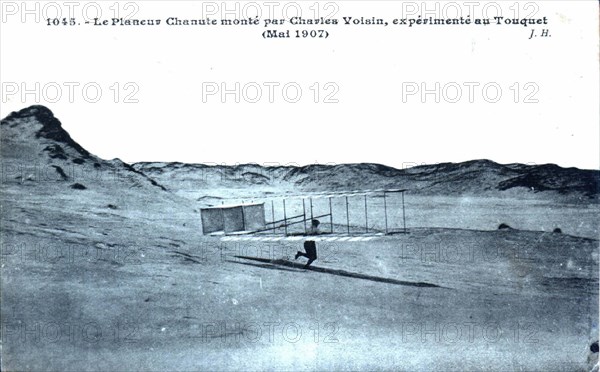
column 226, row 95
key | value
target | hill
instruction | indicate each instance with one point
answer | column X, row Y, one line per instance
column 36, row 149
column 472, row 178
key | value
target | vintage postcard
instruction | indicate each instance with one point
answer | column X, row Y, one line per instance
column 299, row 185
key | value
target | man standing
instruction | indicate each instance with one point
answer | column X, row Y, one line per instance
column 310, row 246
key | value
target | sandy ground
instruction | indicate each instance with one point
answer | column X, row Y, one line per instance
column 137, row 287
